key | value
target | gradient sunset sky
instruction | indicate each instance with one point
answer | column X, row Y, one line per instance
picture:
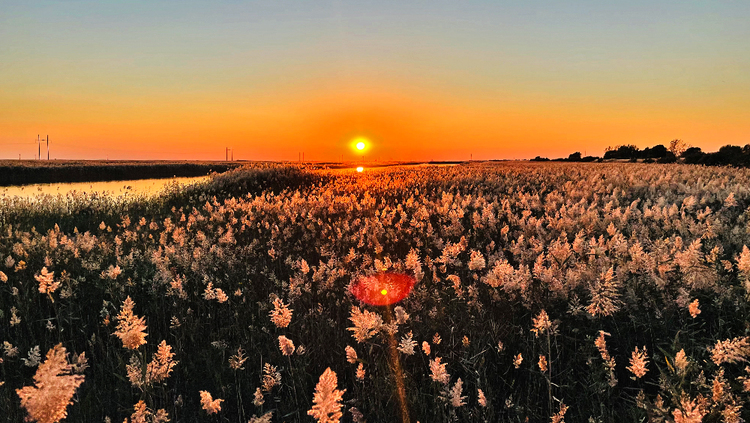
column 422, row 80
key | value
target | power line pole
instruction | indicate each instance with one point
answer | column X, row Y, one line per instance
column 47, row 147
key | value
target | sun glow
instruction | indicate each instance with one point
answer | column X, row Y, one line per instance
column 360, row 169
column 360, row 145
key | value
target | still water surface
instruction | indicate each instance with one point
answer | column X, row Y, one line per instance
column 115, row 188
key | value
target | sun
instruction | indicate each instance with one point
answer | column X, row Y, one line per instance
column 360, row 143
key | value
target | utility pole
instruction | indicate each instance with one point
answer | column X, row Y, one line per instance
column 47, row 147
column 39, row 145
column 232, row 153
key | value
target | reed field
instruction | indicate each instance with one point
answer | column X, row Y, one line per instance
column 578, row 292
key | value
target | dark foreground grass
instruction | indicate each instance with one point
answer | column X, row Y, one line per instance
column 24, row 172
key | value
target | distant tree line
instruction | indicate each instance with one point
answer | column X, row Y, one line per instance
column 728, row 155
column 658, row 153
column 678, row 150
column 574, row 157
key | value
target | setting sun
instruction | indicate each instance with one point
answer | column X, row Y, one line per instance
column 360, row 143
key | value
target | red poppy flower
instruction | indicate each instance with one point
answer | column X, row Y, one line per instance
column 383, row 288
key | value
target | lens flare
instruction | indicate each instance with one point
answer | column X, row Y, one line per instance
column 383, row 288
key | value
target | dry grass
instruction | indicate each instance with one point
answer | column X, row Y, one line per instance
column 594, row 292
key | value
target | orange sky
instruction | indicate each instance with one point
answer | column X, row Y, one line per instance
column 401, row 124
column 421, row 86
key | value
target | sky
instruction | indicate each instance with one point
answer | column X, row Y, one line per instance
column 420, row 80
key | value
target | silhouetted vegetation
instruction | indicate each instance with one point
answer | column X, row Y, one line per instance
column 574, row 157
column 630, row 152
column 693, row 155
column 678, row 150
column 34, row 172
column 731, row 155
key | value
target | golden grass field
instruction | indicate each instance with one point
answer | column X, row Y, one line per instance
column 596, row 292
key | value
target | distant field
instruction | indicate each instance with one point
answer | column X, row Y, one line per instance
column 22, row 172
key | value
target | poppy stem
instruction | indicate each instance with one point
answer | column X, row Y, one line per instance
column 396, row 369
